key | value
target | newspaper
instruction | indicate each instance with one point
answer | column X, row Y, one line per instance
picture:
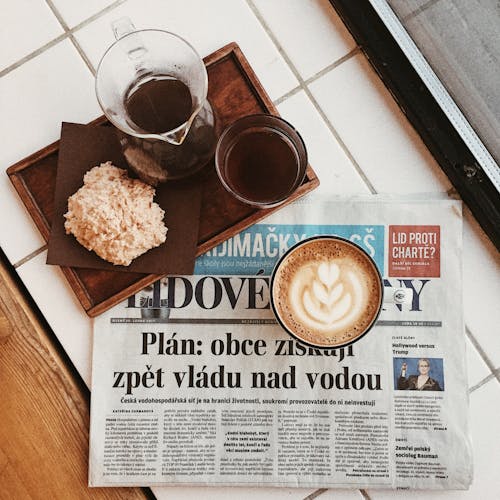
column 194, row 382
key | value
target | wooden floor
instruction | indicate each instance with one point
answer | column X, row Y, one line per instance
column 44, row 412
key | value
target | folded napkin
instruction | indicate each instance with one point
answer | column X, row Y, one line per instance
column 83, row 147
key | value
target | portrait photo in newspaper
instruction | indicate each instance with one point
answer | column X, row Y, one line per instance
column 418, row 374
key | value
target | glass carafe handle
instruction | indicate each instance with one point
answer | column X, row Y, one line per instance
column 132, row 44
column 122, row 27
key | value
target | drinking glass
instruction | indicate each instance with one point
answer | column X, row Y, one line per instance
column 261, row 160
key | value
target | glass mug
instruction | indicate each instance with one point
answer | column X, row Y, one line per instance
column 261, row 160
column 327, row 292
column 152, row 85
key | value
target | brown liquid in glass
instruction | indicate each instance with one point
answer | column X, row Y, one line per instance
column 261, row 166
column 160, row 105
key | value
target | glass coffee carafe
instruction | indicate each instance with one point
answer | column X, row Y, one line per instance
column 152, row 85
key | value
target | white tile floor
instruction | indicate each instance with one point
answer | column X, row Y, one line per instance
column 311, row 32
column 31, row 25
column 207, row 25
column 330, row 161
column 73, row 12
column 358, row 141
column 34, row 98
column 345, row 94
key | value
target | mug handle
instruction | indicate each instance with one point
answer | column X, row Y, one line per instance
column 393, row 295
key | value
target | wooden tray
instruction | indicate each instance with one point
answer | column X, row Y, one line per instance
column 234, row 91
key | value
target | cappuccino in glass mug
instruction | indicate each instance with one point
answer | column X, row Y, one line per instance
column 327, row 292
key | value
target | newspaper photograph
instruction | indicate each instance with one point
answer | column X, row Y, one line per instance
column 195, row 382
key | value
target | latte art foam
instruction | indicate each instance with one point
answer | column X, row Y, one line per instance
column 327, row 292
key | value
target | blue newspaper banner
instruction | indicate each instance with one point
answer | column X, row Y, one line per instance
column 256, row 249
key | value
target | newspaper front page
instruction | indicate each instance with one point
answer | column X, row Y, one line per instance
column 194, row 382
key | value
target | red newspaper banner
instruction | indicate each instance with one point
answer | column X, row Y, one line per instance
column 414, row 251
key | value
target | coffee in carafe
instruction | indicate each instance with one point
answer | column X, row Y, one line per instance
column 152, row 85
column 160, row 104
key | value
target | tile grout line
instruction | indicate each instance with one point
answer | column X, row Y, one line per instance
column 304, row 86
column 30, row 256
column 317, row 75
column 419, row 10
column 333, row 65
column 56, row 13
column 365, row 494
column 334, row 132
column 61, row 37
column 485, row 380
column 97, row 15
column 83, row 55
column 495, row 371
column 290, row 93
column 73, row 40
column 315, row 494
column 33, row 54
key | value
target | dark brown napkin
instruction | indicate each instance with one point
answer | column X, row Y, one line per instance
column 85, row 146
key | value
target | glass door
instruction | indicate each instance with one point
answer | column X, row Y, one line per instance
column 441, row 61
